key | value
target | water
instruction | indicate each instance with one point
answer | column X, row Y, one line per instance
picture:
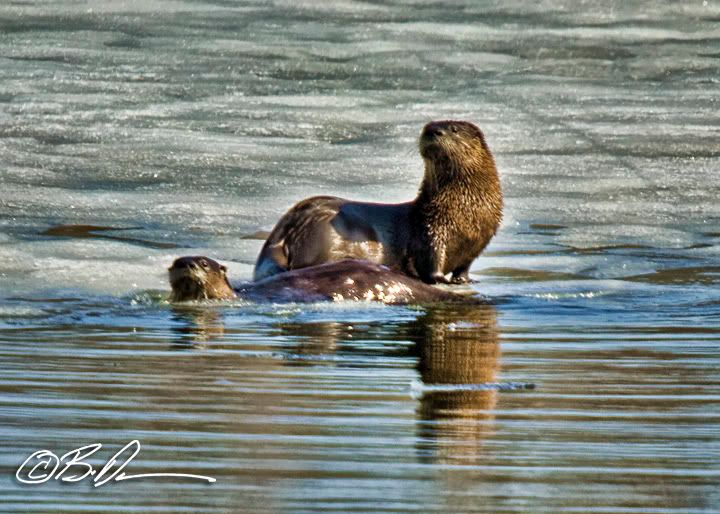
column 590, row 384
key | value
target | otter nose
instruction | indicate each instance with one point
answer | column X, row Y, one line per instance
column 182, row 263
column 435, row 129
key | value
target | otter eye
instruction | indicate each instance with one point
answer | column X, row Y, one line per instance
column 204, row 263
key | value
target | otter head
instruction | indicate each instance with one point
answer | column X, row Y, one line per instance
column 199, row 278
column 454, row 149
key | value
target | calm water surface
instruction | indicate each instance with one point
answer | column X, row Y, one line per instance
column 589, row 383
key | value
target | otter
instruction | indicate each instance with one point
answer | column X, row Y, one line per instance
column 196, row 277
column 201, row 278
column 457, row 211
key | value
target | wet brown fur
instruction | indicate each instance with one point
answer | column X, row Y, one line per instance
column 343, row 280
column 199, row 278
column 455, row 214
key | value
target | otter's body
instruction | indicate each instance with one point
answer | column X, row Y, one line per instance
column 326, row 229
column 346, row 280
column 342, row 280
column 457, row 211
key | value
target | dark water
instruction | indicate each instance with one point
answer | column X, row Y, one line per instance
column 134, row 132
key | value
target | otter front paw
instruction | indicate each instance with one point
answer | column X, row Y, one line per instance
column 439, row 278
column 461, row 279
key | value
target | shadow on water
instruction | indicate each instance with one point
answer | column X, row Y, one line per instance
column 99, row 232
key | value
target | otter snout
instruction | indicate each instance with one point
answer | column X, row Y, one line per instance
column 434, row 130
column 439, row 129
column 433, row 135
column 454, row 139
column 185, row 269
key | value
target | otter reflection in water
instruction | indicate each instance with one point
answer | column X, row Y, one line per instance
column 196, row 325
column 458, row 360
column 457, row 352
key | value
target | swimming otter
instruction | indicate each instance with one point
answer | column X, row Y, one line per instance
column 201, row 278
column 455, row 214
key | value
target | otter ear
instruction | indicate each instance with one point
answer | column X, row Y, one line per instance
column 223, row 268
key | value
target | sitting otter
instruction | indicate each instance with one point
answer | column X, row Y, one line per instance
column 455, row 214
column 201, row 278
